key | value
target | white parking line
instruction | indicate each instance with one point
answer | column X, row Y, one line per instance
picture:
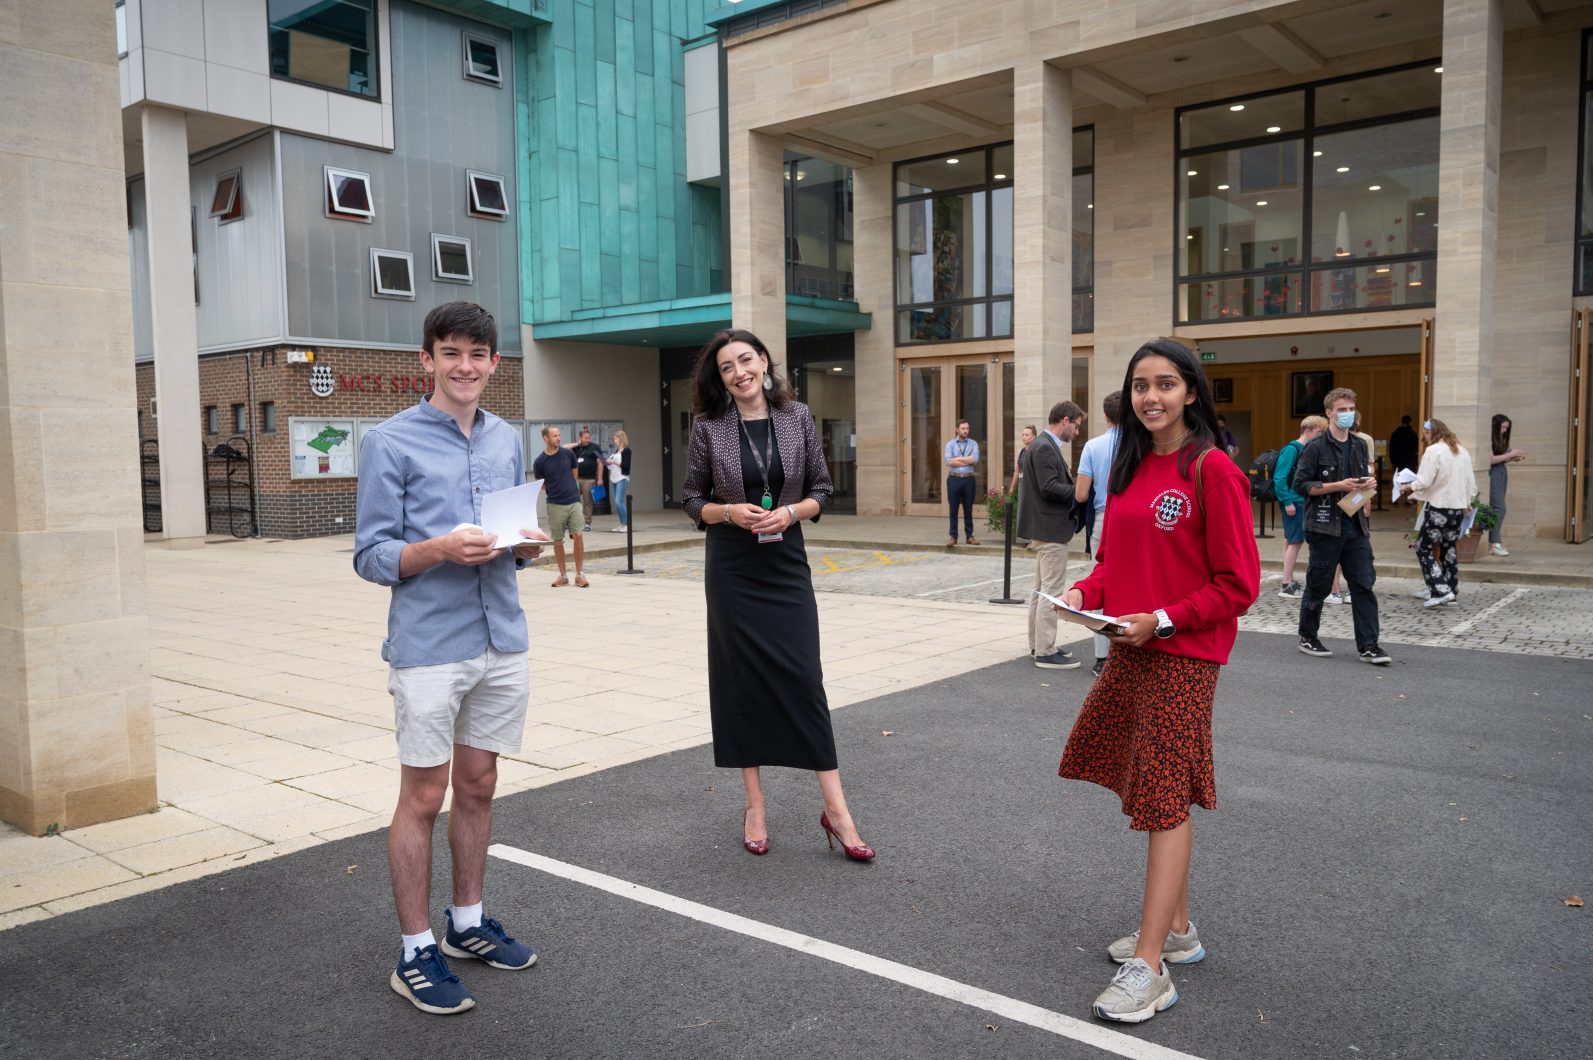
column 954, row 588
column 1012, row 1009
column 1478, row 617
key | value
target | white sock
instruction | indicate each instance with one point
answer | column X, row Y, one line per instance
column 465, row 916
column 413, row 944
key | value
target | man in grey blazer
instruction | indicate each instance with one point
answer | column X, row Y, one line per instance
column 1045, row 516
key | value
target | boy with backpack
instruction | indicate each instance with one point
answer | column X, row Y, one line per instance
column 1292, row 503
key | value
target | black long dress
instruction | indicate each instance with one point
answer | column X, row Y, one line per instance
column 765, row 684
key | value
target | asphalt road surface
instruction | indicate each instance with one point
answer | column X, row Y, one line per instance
column 1386, row 877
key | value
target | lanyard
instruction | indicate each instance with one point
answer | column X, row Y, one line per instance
column 762, row 461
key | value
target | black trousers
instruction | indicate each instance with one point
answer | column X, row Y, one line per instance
column 1351, row 550
column 960, row 493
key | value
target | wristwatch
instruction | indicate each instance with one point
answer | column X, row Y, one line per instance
column 1164, row 625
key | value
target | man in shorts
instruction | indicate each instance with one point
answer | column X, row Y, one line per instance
column 1292, row 503
column 456, row 643
column 556, row 468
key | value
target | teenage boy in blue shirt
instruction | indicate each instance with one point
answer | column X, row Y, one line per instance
column 456, row 642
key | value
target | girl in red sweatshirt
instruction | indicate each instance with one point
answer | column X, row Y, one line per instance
column 1178, row 565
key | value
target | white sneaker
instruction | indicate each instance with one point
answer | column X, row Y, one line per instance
column 1178, row 949
column 1423, row 593
column 1439, row 601
column 1497, row 549
column 1137, row 993
column 617, row 530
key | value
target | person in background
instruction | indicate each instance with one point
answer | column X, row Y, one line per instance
column 555, row 466
column 1499, row 480
column 962, row 456
column 1343, row 597
column 588, row 472
column 1178, row 566
column 619, row 479
column 1230, row 444
column 1046, row 518
column 1446, row 483
column 1402, row 446
column 1029, row 435
column 1095, row 466
column 1292, row 503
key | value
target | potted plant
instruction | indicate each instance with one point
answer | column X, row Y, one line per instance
column 996, row 506
column 1486, row 518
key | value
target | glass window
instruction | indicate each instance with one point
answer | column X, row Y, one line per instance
column 1241, row 209
column 481, row 60
column 227, row 203
column 1374, row 286
column 392, row 274
column 450, row 259
column 1001, row 241
column 941, row 256
column 121, row 28
column 331, row 43
column 1378, row 96
column 1375, row 192
column 818, row 202
column 944, row 323
column 1247, row 119
column 1001, row 163
column 348, row 195
column 923, row 386
column 212, row 420
column 1277, row 294
column 240, row 419
column 958, row 170
column 487, row 198
column 1084, row 147
column 1083, row 231
column 268, row 417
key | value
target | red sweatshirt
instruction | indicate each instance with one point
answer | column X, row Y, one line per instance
column 1159, row 551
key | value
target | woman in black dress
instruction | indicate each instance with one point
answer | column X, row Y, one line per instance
column 755, row 470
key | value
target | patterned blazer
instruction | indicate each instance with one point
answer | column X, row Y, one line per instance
column 713, row 461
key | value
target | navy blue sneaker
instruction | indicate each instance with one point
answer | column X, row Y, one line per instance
column 487, row 942
column 428, row 984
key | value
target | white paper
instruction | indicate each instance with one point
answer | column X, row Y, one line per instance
column 1402, row 478
column 509, row 511
column 1091, row 620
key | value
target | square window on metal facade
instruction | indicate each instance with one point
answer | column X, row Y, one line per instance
column 331, row 43
column 481, row 60
column 450, row 259
column 392, row 274
column 227, row 203
column 487, row 198
column 348, row 195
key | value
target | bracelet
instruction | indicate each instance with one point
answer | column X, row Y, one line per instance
column 792, row 513
column 726, row 518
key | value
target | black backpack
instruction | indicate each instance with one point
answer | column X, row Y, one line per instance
column 1262, row 487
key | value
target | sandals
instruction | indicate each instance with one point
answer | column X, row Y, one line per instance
column 560, row 580
column 580, row 580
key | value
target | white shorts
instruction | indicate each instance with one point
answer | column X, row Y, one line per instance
column 478, row 703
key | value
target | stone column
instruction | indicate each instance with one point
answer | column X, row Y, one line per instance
column 1468, row 236
column 171, row 296
column 77, row 741
column 879, row 419
column 1042, row 238
column 757, row 237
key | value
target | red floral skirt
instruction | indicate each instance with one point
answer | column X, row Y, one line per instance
column 1145, row 732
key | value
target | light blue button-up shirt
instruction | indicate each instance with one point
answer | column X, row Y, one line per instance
column 419, row 478
column 962, row 447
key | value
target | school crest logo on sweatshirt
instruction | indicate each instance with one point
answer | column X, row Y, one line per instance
column 1170, row 506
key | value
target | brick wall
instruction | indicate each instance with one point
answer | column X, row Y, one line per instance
column 370, row 383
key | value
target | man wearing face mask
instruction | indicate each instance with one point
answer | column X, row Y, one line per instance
column 1333, row 466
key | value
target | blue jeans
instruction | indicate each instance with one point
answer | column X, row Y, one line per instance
column 960, row 492
column 616, row 492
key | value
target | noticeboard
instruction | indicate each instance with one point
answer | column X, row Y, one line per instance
column 322, row 447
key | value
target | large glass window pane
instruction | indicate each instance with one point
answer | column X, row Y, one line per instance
column 1586, row 227
column 946, row 323
column 923, row 385
column 1584, row 271
column 1375, row 192
column 1378, row 95
column 325, row 42
column 1001, row 163
column 1083, row 147
column 957, row 170
column 1246, row 120
column 1276, row 294
column 813, row 216
column 1400, row 283
column 1083, row 311
column 1001, row 241
column 1240, row 209
column 1083, row 231
column 940, row 249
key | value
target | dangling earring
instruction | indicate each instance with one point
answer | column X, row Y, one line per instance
column 768, row 383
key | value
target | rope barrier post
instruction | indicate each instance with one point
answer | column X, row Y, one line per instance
column 1006, row 574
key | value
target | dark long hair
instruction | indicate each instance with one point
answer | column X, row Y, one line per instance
column 709, row 396
column 1501, row 438
column 1200, row 416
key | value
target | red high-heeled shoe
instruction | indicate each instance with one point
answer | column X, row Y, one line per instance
column 752, row 846
column 861, row 852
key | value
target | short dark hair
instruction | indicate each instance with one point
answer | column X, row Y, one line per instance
column 1064, row 410
column 1112, row 407
column 1404, row 421
column 963, row 421
column 464, row 320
